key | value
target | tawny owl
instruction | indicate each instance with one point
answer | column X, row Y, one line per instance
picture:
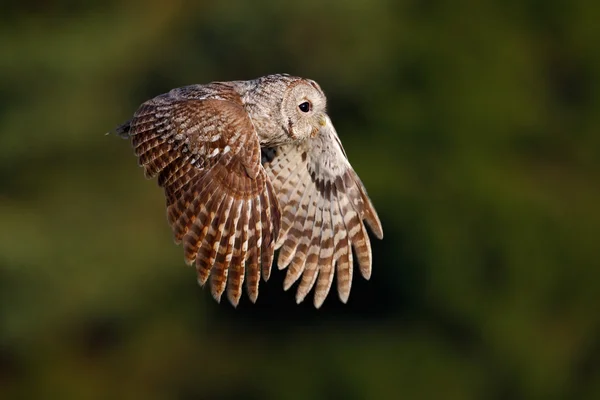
column 249, row 167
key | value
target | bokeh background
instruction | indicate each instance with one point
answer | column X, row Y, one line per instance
column 474, row 126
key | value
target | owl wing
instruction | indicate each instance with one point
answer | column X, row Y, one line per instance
column 323, row 205
column 220, row 202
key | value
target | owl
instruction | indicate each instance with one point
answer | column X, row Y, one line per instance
column 251, row 167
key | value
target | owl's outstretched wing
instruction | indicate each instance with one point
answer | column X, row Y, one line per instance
column 323, row 205
column 220, row 202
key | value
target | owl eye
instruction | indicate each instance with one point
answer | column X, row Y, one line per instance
column 304, row 107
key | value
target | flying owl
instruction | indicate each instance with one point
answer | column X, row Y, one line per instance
column 249, row 167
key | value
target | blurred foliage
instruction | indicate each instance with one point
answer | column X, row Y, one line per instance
column 474, row 125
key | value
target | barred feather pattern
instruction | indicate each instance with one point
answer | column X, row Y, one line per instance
column 220, row 203
column 249, row 167
column 323, row 206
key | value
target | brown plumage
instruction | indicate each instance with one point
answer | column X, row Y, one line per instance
column 251, row 166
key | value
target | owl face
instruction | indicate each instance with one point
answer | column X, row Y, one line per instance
column 303, row 109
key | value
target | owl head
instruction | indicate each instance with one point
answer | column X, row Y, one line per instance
column 283, row 108
column 303, row 109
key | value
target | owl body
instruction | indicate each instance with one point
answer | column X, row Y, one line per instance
column 249, row 167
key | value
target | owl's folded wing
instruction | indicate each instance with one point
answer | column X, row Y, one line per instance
column 220, row 203
column 323, row 205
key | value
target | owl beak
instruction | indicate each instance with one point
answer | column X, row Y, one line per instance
column 323, row 120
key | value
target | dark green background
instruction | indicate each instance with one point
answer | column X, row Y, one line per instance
column 474, row 125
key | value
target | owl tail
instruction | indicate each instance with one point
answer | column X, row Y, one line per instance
column 122, row 130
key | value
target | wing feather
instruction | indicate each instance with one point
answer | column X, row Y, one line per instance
column 269, row 230
column 323, row 205
column 208, row 247
column 300, row 243
column 344, row 256
column 295, row 218
column 225, row 253
column 202, row 146
column 291, row 185
column 254, row 242
column 196, row 235
column 328, row 245
column 240, row 249
column 355, row 227
column 309, row 275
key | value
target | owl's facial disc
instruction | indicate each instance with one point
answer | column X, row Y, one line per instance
column 303, row 109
